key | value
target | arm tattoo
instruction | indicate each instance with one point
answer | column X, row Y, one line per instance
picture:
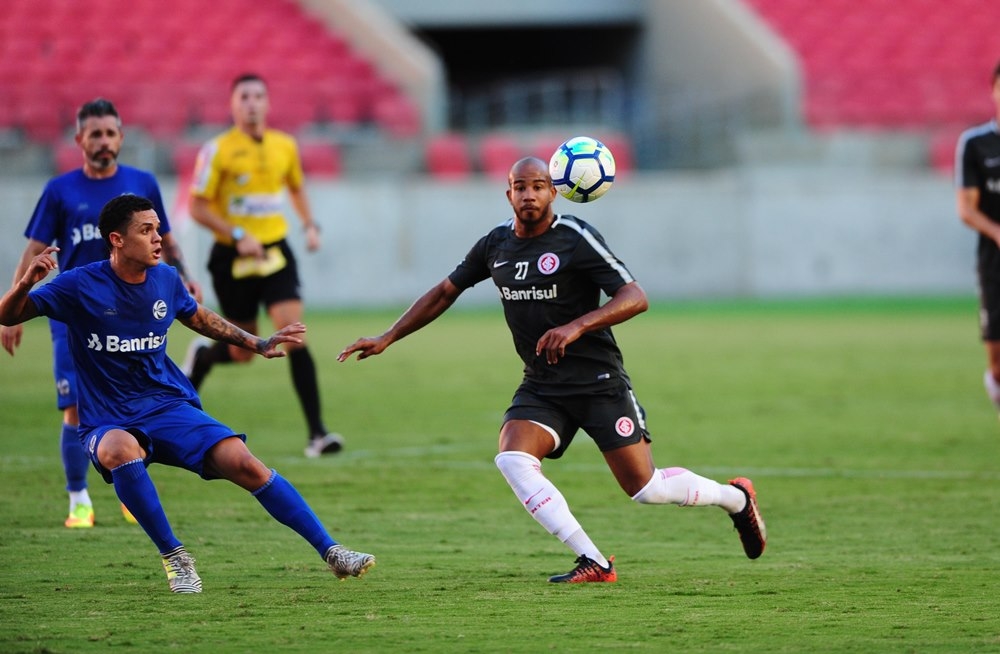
column 208, row 323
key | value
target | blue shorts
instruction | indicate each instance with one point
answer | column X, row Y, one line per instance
column 62, row 366
column 179, row 435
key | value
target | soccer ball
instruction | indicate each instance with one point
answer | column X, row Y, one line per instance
column 582, row 169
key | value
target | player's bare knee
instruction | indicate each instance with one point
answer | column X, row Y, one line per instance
column 246, row 471
column 118, row 447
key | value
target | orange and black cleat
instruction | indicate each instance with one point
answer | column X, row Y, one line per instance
column 748, row 523
column 587, row 570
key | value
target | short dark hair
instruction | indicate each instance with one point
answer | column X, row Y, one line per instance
column 996, row 71
column 96, row 108
column 118, row 212
column 246, row 77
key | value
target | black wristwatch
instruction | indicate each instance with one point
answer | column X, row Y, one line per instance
column 237, row 233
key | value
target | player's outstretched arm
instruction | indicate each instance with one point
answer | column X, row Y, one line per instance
column 428, row 306
column 10, row 337
column 15, row 307
column 208, row 323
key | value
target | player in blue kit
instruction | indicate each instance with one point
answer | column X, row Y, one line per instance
column 136, row 406
column 550, row 272
column 66, row 214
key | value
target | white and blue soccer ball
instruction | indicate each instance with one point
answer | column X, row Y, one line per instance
column 582, row 169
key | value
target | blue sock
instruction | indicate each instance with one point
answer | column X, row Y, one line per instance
column 136, row 491
column 285, row 504
column 74, row 458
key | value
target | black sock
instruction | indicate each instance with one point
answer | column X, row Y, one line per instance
column 307, row 388
column 205, row 358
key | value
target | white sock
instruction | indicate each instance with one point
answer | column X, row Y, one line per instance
column 77, row 498
column 992, row 388
column 545, row 503
column 684, row 488
column 581, row 544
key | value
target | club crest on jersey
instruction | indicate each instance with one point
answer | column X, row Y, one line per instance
column 548, row 263
column 624, row 426
column 159, row 309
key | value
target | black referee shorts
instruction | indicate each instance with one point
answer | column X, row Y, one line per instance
column 240, row 299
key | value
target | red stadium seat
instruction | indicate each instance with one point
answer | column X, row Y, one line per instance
column 621, row 150
column 448, row 156
column 158, row 112
column 184, row 74
column 497, row 153
column 67, row 156
column 183, row 157
column 544, row 146
column 40, row 118
column 397, row 115
column 902, row 65
column 320, row 159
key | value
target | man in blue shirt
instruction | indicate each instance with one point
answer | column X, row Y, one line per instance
column 66, row 214
column 136, row 407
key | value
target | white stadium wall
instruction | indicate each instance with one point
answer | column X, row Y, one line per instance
column 761, row 233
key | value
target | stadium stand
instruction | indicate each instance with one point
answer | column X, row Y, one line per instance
column 320, row 159
column 883, row 64
column 497, row 152
column 921, row 66
column 67, row 156
column 183, row 155
column 167, row 76
column 448, row 156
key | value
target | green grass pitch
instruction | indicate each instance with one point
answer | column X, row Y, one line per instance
column 863, row 424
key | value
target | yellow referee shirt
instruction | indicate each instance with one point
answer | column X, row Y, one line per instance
column 245, row 179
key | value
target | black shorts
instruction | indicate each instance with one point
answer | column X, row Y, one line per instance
column 989, row 307
column 240, row 299
column 612, row 420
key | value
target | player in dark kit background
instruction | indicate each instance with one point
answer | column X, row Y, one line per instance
column 550, row 272
column 977, row 183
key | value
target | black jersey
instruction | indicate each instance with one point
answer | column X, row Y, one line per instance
column 547, row 281
column 977, row 165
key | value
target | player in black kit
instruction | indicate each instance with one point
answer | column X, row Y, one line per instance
column 977, row 182
column 550, row 271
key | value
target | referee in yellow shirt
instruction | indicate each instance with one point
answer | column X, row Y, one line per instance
column 239, row 183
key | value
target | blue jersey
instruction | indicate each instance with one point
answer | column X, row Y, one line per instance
column 68, row 211
column 118, row 338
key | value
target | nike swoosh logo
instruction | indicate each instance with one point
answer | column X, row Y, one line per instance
column 497, row 264
column 528, row 501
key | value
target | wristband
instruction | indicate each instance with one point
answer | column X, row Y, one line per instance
column 237, row 233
